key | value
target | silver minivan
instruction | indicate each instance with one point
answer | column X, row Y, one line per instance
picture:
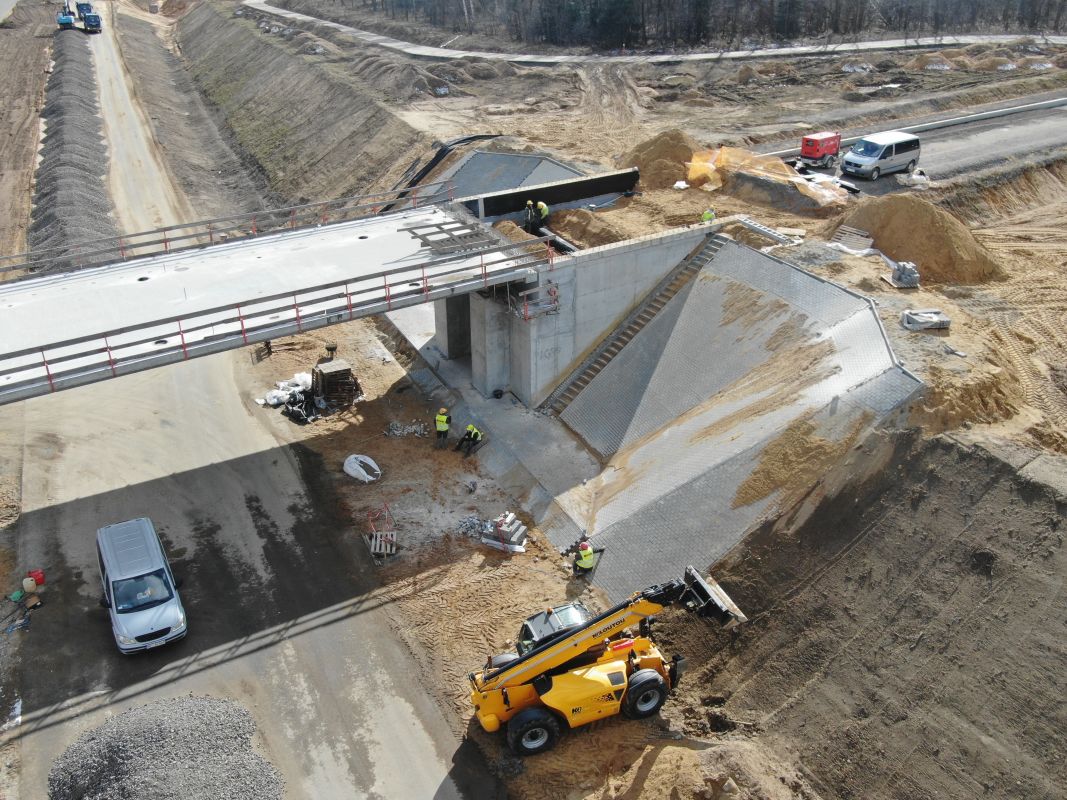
column 881, row 153
column 140, row 592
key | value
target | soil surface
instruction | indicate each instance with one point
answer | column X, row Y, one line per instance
column 906, row 611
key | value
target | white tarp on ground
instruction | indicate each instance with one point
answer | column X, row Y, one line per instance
column 362, row 468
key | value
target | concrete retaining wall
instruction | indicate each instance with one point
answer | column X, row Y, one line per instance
column 597, row 289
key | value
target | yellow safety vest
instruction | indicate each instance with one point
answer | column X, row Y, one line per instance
column 442, row 422
column 541, row 207
column 474, row 433
column 586, row 558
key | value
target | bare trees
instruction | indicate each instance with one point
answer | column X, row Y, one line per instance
column 667, row 23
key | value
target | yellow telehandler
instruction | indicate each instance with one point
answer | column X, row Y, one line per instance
column 573, row 667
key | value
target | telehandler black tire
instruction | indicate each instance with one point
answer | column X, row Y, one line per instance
column 533, row 731
column 646, row 692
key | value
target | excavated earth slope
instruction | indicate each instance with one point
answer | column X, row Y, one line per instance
column 316, row 133
column 907, row 636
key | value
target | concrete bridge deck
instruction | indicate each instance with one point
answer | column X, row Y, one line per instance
column 65, row 330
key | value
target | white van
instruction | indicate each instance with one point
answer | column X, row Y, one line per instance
column 881, row 153
column 140, row 592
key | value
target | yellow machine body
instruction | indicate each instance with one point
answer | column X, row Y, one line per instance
column 581, row 695
column 579, row 668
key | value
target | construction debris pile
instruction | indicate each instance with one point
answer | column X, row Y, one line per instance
column 413, row 428
column 506, row 532
column 169, row 750
column 308, row 395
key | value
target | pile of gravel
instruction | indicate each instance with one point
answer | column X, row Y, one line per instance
column 181, row 748
column 71, row 204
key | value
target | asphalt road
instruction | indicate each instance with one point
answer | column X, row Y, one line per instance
column 282, row 616
column 955, row 151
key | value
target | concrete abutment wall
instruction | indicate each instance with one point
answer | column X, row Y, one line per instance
column 597, row 289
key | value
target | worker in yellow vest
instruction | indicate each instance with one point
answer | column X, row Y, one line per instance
column 708, row 216
column 470, row 439
column 585, row 560
column 542, row 212
column 442, row 422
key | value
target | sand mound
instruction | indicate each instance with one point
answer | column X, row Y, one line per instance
column 746, row 75
column 930, row 61
column 909, row 228
column 991, row 64
column 662, row 158
column 584, row 228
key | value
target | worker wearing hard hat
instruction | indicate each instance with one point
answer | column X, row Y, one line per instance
column 529, row 220
column 442, row 422
column 708, row 216
column 470, row 439
column 585, row 560
column 542, row 213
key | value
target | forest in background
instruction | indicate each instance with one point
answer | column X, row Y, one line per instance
column 673, row 23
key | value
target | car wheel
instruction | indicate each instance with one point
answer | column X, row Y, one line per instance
column 911, row 166
column 876, row 174
column 646, row 692
column 831, row 162
column 532, row 731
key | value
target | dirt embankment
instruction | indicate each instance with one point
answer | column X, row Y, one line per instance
column 906, row 633
column 315, row 134
column 199, row 156
column 24, row 46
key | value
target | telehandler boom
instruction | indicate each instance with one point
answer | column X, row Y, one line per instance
column 573, row 668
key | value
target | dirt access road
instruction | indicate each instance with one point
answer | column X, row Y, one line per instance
column 279, row 620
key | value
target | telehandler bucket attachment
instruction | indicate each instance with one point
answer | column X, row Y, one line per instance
column 705, row 598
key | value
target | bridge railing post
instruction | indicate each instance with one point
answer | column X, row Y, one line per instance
column 181, row 335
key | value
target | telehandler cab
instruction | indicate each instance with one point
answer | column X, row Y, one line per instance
column 572, row 667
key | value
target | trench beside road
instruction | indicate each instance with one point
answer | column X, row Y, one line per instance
column 281, row 613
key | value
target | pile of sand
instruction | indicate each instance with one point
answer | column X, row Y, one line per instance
column 511, row 231
column 992, row 64
column 662, row 158
column 908, row 228
column 930, row 61
column 584, row 228
column 746, row 75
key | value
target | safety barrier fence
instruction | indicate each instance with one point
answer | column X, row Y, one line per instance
column 187, row 236
column 33, row 371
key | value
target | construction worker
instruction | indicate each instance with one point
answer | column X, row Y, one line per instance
column 442, row 422
column 585, row 559
column 529, row 222
column 542, row 212
column 470, row 439
column 708, row 216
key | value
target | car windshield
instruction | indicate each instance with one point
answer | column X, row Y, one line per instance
column 137, row 594
column 865, row 148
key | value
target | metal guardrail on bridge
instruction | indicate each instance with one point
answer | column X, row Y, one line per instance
column 74, row 362
column 203, row 233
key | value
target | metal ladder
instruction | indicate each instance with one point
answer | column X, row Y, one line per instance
column 615, row 341
column 764, row 231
